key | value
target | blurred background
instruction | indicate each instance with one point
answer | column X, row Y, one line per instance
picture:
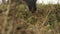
column 44, row 1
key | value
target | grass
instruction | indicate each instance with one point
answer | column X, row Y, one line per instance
column 45, row 21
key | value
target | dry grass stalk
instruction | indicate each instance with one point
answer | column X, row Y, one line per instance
column 45, row 19
column 6, row 18
column 10, row 28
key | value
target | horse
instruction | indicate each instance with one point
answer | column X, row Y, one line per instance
column 31, row 4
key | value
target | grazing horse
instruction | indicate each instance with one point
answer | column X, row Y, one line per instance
column 31, row 4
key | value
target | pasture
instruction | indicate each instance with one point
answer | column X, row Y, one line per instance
column 46, row 20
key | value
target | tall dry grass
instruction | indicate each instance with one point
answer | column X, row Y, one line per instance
column 45, row 21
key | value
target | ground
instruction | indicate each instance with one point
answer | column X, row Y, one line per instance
column 45, row 21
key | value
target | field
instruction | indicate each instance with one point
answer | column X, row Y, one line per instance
column 46, row 20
